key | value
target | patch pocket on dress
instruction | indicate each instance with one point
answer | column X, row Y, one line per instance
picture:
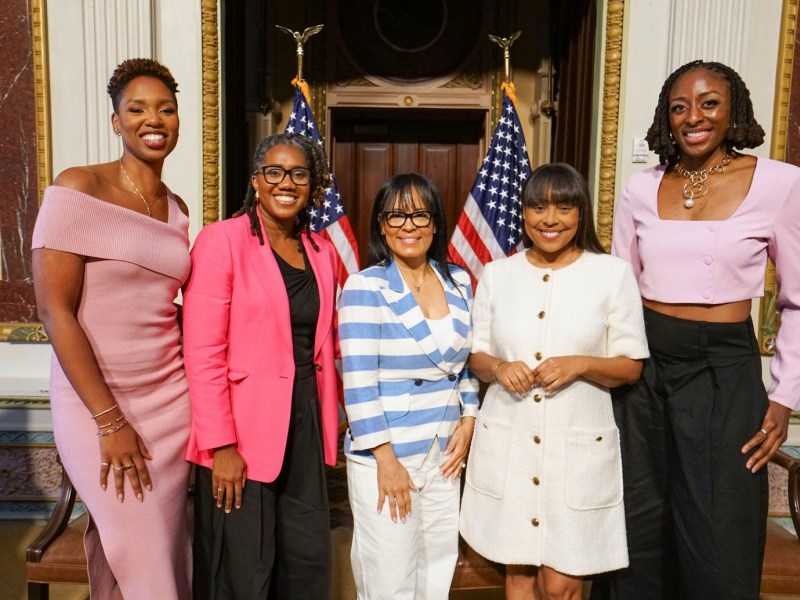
column 593, row 469
column 488, row 458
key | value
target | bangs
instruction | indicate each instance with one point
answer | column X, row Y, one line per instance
column 554, row 188
column 403, row 199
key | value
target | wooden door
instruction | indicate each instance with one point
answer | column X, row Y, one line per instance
column 368, row 147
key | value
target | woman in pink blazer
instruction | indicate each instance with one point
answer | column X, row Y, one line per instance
column 259, row 351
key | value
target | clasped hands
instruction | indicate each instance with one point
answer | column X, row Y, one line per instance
column 551, row 374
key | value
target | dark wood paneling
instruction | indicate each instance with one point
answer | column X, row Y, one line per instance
column 371, row 146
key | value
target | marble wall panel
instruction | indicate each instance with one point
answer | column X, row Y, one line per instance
column 18, row 162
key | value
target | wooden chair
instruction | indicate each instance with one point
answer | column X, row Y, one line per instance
column 781, row 574
column 57, row 555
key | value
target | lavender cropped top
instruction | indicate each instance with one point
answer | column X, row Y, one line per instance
column 714, row 262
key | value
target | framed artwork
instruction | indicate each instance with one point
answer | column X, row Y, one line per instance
column 785, row 147
column 25, row 155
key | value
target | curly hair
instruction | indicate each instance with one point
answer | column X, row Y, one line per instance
column 560, row 183
column 130, row 69
column 743, row 132
column 397, row 192
column 320, row 179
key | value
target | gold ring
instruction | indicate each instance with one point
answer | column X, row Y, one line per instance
column 105, row 464
column 116, row 468
column 126, row 467
column 764, row 431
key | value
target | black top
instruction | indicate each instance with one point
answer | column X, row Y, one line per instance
column 301, row 287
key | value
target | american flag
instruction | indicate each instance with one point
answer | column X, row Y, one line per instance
column 490, row 226
column 329, row 219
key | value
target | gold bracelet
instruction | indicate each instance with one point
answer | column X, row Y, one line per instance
column 114, row 430
column 494, row 368
column 103, row 412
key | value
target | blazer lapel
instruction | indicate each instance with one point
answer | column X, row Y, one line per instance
column 401, row 301
column 325, row 288
column 459, row 311
column 273, row 283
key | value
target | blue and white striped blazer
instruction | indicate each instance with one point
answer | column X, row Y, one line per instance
column 398, row 386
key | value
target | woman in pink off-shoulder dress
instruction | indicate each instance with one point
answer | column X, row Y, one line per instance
column 110, row 254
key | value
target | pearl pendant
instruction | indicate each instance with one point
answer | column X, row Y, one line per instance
column 688, row 203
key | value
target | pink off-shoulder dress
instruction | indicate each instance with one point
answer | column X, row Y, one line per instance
column 135, row 266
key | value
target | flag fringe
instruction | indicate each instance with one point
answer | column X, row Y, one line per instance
column 511, row 92
column 301, row 83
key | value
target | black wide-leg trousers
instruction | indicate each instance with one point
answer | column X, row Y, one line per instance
column 695, row 516
column 277, row 545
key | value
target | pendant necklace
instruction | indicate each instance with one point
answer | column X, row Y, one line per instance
column 697, row 186
column 421, row 281
column 136, row 189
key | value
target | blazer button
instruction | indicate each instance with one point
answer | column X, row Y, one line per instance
column 537, row 398
column 318, row 366
column 535, row 481
column 546, row 277
column 541, row 314
column 535, row 522
column 538, row 356
column 537, row 439
column 418, row 382
column 452, row 377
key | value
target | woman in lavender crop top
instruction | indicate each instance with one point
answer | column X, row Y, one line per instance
column 698, row 428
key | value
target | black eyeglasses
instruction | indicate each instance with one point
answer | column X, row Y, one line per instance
column 274, row 174
column 396, row 219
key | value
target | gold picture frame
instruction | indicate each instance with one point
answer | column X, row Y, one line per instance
column 769, row 318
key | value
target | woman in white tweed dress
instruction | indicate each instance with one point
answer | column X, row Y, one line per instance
column 553, row 329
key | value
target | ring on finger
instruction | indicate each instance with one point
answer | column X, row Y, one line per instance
column 764, row 431
column 118, row 468
column 463, row 465
column 105, row 464
column 220, row 490
column 126, row 467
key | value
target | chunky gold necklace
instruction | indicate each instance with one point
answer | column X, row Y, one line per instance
column 697, row 186
column 136, row 189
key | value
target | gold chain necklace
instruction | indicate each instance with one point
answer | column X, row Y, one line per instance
column 421, row 281
column 697, row 186
column 136, row 189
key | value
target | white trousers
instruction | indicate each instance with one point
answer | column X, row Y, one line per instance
column 414, row 560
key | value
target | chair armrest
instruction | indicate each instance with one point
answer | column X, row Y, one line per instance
column 792, row 465
column 58, row 520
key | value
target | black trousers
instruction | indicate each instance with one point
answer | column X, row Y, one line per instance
column 695, row 516
column 277, row 545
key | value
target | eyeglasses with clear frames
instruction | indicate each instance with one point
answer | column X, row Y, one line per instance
column 274, row 174
column 397, row 219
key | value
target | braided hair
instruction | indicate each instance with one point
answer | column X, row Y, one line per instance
column 320, row 179
column 743, row 131
column 130, row 69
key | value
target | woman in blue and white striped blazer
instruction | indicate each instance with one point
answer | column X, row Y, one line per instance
column 405, row 332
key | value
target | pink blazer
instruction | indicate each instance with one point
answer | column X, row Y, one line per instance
column 237, row 344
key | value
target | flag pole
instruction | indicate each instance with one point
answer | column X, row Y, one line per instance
column 490, row 226
column 505, row 44
column 301, row 39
